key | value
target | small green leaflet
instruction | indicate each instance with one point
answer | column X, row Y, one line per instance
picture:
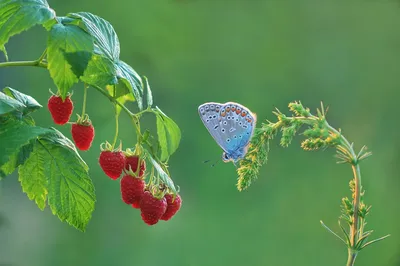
column 14, row 134
column 19, row 15
column 55, row 172
column 9, row 104
column 30, row 103
column 105, row 68
column 67, row 40
column 169, row 134
column 163, row 175
column 147, row 92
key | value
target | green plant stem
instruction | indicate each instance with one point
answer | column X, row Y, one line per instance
column 116, row 122
column 351, row 258
column 85, row 87
column 35, row 63
column 354, row 228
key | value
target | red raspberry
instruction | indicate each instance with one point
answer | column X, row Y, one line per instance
column 60, row 110
column 132, row 161
column 173, row 206
column 152, row 208
column 112, row 163
column 132, row 189
column 83, row 135
column 136, row 205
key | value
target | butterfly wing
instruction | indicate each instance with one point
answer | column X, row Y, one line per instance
column 230, row 124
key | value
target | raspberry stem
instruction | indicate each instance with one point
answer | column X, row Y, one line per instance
column 116, row 121
column 85, row 87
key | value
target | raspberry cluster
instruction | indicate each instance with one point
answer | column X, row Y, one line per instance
column 154, row 204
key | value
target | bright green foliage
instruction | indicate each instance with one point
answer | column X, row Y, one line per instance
column 50, row 167
column 80, row 47
column 9, row 104
column 67, row 39
column 105, row 68
column 14, row 134
column 30, row 103
column 19, row 15
column 169, row 134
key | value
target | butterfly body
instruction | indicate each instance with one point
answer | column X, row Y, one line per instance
column 231, row 125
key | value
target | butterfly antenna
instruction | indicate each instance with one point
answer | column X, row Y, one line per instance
column 214, row 164
column 206, row 161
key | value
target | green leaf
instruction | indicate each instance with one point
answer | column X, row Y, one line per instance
column 67, row 39
column 162, row 138
column 121, row 99
column 147, row 92
column 54, row 172
column 57, row 138
column 169, row 134
column 105, row 68
column 163, row 175
column 100, row 72
column 30, row 103
column 8, row 104
column 105, row 38
column 32, row 176
column 16, row 160
column 19, row 15
column 14, row 134
column 132, row 81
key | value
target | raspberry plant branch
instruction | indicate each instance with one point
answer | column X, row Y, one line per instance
column 81, row 47
column 319, row 135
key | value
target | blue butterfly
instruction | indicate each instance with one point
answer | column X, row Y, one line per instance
column 231, row 125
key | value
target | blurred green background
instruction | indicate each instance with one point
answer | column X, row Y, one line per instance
column 262, row 54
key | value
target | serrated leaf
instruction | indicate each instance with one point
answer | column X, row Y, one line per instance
column 106, row 68
column 54, row 170
column 29, row 102
column 172, row 132
column 14, row 134
column 32, row 176
column 105, row 38
column 70, row 190
column 19, row 15
column 67, row 39
column 9, row 104
column 163, row 175
column 147, row 92
column 57, row 138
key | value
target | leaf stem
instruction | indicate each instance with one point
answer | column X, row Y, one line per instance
column 116, row 122
column 85, row 87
